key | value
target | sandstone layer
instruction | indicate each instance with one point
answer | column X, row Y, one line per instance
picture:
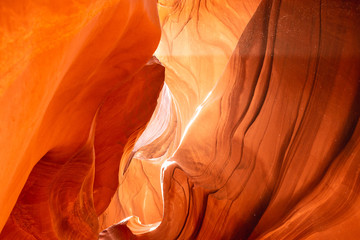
column 244, row 126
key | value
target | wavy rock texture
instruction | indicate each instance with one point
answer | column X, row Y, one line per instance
column 194, row 58
column 264, row 145
column 255, row 133
column 63, row 62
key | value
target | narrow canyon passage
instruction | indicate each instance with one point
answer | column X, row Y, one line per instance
column 179, row 119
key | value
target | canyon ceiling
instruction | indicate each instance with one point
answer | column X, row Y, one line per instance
column 179, row 119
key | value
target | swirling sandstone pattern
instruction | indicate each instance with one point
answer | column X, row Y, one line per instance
column 255, row 133
column 69, row 71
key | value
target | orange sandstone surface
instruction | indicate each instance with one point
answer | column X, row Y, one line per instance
column 179, row 119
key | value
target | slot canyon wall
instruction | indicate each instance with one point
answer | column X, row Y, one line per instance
column 179, row 119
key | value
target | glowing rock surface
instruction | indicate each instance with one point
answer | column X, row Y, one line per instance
column 248, row 129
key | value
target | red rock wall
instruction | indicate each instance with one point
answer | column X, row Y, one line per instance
column 254, row 134
column 67, row 66
column 269, row 150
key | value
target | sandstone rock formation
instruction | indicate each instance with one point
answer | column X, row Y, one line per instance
column 69, row 70
column 248, row 129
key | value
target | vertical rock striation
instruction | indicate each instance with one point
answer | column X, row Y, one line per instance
column 61, row 63
column 247, row 129
column 270, row 149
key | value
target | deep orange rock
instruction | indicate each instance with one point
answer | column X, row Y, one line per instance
column 60, row 61
column 122, row 118
column 65, row 195
column 272, row 151
column 254, row 135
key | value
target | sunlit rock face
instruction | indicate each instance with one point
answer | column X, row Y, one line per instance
column 248, row 129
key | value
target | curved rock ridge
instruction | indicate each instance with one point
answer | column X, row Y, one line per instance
column 269, row 149
column 247, row 129
column 65, row 195
column 67, row 66
column 192, row 70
